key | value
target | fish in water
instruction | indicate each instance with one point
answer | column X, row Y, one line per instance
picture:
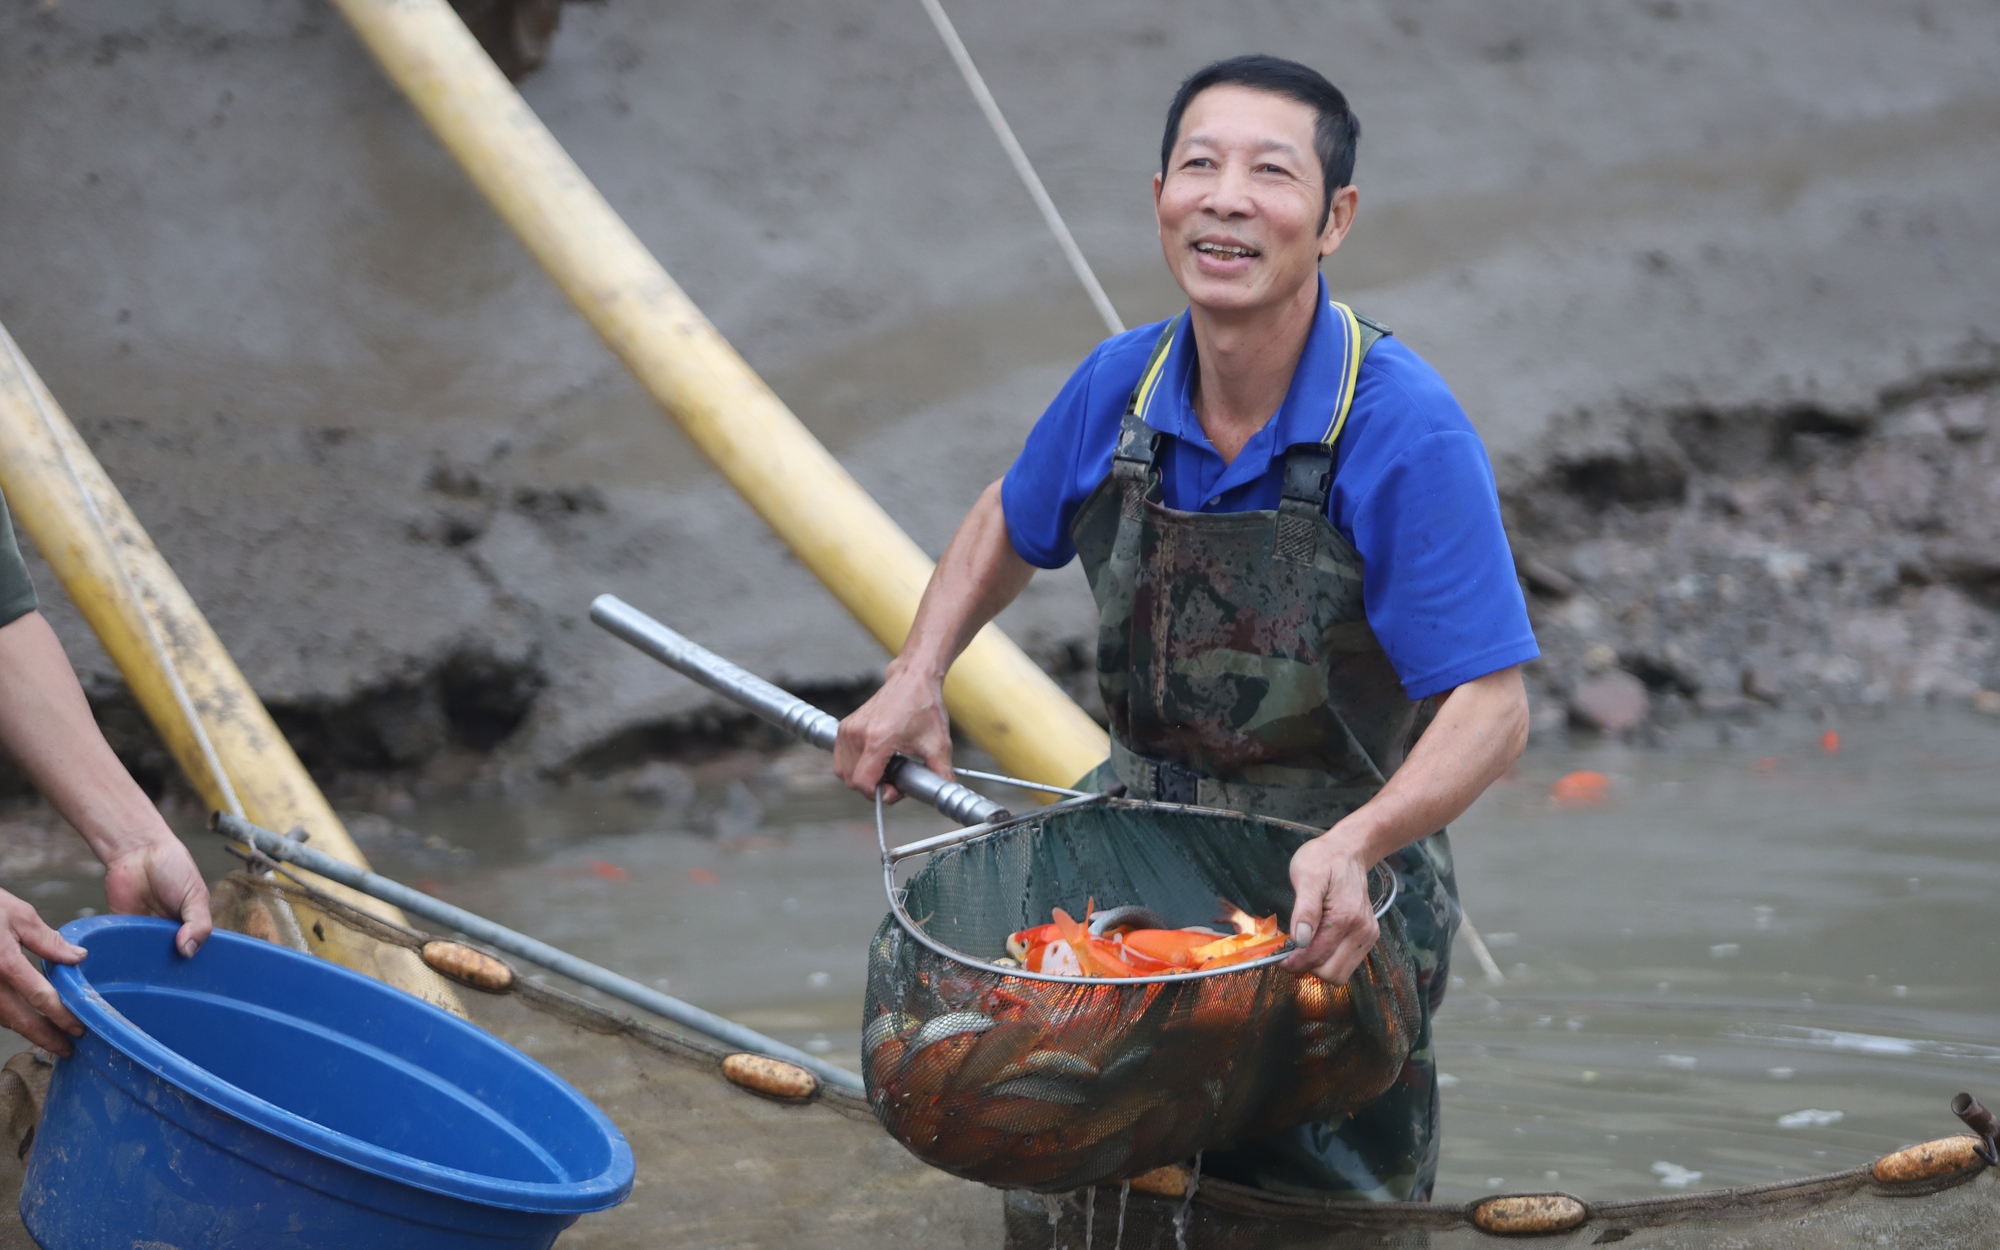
column 1133, row 941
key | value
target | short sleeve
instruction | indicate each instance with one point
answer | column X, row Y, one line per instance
column 17, row 592
column 1437, row 573
column 1069, row 451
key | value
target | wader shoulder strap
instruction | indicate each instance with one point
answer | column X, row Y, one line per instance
column 1309, row 466
column 1358, row 334
column 1138, row 442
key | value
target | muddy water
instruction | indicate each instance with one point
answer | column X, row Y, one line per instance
column 1759, row 960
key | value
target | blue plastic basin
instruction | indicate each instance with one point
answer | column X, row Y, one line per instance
column 256, row 1097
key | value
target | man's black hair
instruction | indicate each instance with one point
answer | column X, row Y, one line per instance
column 1335, row 134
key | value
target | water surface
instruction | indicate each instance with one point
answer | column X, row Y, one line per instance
column 1760, row 960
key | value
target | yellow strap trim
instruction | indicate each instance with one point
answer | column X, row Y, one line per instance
column 1151, row 381
column 1350, row 371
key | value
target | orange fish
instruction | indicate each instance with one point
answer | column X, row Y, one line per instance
column 1098, row 956
column 1068, row 947
column 1253, row 938
column 1172, row 947
column 1019, row 944
column 1585, row 788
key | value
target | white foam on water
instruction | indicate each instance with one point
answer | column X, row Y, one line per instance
column 1863, row 1043
column 1811, row 1117
column 1674, row 1176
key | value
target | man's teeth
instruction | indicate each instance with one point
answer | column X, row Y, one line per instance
column 1224, row 251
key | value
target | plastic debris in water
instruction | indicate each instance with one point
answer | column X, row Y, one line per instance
column 1583, row 788
column 1811, row 1117
column 1674, row 1176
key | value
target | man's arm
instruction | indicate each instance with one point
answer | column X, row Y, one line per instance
column 979, row 575
column 46, row 725
column 1479, row 731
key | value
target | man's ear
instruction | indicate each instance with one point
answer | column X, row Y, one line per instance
column 1339, row 219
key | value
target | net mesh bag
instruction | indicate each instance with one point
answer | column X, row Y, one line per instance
column 1049, row 1082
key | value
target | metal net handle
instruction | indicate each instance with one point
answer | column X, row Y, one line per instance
column 897, row 896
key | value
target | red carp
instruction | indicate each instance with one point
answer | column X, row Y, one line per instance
column 1112, row 945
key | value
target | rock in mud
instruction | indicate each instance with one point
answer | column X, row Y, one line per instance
column 1614, row 702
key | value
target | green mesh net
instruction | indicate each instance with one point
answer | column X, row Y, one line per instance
column 1052, row 1083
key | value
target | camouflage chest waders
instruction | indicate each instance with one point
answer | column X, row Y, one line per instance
column 1239, row 671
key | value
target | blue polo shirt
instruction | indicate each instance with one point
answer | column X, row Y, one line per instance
column 1413, row 489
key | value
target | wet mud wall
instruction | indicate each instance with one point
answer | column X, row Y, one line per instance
column 1717, row 563
column 1714, row 281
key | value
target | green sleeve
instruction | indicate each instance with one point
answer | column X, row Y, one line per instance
column 17, row 593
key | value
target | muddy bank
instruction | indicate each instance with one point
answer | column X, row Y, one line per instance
column 394, row 467
column 1724, row 562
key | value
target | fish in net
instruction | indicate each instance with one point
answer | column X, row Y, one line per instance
column 1053, row 1082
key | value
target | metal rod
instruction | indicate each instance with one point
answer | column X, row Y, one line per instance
column 1981, row 1122
column 273, row 846
column 1021, row 783
column 782, row 708
column 937, row 842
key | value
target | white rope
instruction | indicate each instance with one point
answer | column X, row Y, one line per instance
column 1005, row 133
column 1479, row 951
column 210, row 759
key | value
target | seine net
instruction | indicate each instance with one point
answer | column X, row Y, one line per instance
column 1051, row 1083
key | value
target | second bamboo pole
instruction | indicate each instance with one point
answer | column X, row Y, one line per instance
column 995, row 692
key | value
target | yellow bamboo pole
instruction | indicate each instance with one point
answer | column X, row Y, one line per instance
column 210, row 719
column 1007, row 704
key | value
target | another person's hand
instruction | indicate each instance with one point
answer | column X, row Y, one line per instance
column 1333, row 920
column 157, row 877
column 905, row 716
column 28, row 1003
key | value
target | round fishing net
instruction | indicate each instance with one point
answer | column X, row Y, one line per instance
column 1052, row 1082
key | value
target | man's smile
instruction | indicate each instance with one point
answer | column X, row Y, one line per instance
column 1225, row 249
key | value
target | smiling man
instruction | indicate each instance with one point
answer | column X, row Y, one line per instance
column 1308, row 607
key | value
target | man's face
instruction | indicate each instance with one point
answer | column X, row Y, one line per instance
column 1239, row 205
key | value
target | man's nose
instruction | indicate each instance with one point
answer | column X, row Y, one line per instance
column 1230, row 195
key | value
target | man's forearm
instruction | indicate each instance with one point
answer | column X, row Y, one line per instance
column 46, row 725
column 1477, row 734
column 978, row 576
